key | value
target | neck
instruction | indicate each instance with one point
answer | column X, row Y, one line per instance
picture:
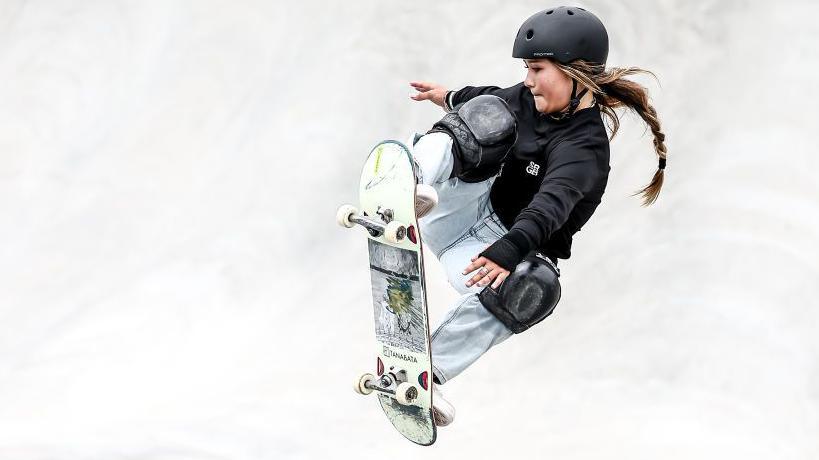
column 586, row 101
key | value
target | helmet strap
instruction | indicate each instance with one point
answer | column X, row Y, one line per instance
column 573, row 103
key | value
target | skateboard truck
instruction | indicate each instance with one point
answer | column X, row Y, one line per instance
column 393, row 231
column 391, row 383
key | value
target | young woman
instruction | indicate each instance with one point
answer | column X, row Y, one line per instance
column 510, row 174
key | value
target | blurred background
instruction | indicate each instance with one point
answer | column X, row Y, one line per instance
column 173, row 284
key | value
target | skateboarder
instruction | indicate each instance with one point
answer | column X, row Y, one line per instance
column 510, row 174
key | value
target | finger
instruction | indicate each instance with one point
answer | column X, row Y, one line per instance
column 489, row 277
column 420, row 96
column 421, row 85
column 499, row 280
column 476, row 264
column 481, row 274
column 475, row 278
column 489, row 264
column 478, row 276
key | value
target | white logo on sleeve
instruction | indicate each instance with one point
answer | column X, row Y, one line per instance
column 533, row 168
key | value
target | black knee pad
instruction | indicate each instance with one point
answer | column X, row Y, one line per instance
column 483, row 131
column 527, row 296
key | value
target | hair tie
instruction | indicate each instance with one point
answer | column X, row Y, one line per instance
column 662, row 163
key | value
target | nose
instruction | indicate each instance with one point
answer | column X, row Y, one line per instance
column 529, row 82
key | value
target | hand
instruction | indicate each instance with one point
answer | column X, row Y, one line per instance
column 488, row 272
column 428, row 91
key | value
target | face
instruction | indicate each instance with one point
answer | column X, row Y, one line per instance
column 551, row 87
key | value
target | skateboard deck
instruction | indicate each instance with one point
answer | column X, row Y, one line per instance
column 403, row 380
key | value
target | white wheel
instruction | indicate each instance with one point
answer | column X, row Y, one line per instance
column 395, row 232
column 406, row 393
column 343, row 215
column 360, row 385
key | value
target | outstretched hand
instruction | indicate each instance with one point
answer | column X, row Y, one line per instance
column 488, row 272
column 428, row 91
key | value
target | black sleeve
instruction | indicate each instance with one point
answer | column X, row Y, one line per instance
column 468, row 92
column 572, row 171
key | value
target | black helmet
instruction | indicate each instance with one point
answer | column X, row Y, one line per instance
column 564, row 33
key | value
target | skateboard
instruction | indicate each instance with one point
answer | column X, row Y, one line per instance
column 403, row 373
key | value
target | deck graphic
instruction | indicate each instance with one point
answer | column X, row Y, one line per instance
column 397, row 297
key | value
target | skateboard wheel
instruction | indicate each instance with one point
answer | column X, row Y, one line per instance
column 394, row 232
column 343, row 215
column 406, row 393
column 360, row 385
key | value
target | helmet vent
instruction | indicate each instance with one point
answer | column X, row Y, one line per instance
column 529, row 34
column 570, row 12
column 550, row 11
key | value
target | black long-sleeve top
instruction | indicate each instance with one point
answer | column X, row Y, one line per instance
column 552, row 180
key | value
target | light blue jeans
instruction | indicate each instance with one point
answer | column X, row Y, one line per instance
column 460, row 227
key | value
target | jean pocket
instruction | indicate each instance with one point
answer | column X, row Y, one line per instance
column 485, row 232
column 494, row 225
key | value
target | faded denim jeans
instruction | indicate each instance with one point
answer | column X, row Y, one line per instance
column 460, row 227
